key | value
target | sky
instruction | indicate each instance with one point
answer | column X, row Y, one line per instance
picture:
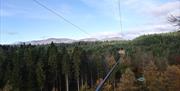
column 25, row 20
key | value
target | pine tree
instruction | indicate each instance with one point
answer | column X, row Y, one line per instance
column 127, row 82
column 2, row 70
column 52, row 63
column 40, row 68
column 100, row 65
column 76, row 57
column 66, row 67
column 28, row 69
column 84, row 70
column 59, row 69
column 18, row 67
column 40, row 75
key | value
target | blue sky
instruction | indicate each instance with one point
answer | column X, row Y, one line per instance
column 24, row 20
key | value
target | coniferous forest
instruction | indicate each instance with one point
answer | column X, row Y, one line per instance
column 151, row 63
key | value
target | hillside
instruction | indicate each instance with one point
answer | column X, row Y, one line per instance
column 66, row 40
column 57, row 66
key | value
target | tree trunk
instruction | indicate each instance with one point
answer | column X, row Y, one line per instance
column 86, row 83
column 91, row 80
column 56, row 85
column 67, row 82
column 114, row 85
column 59, row 83
column 53, row 88
column 78, row 83
column 82, row 82
column 56, row 81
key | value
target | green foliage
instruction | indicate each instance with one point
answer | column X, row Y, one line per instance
column 48, row 67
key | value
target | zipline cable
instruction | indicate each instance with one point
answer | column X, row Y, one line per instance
column 60, row 16
column 99, row 87
column 120, row 15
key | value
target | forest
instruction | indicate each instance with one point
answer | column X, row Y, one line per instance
column 151, row 63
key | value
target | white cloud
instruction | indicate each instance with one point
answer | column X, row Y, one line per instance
column 132, row 33
column 165, row 9
column 155, row 8
column 106, row 34
column 157, row 11
column 156, row 24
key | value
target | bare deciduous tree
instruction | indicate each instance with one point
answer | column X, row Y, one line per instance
column 175, row 20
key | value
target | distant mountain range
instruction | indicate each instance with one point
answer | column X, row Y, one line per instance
column 66, row 40
column 112, row 39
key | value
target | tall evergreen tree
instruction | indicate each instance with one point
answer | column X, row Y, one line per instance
column 29, row 68
column 40, row 75
column 2, row 70
column 66, row 66
column 52, row 63
column 76, row 57
column 84, row 70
